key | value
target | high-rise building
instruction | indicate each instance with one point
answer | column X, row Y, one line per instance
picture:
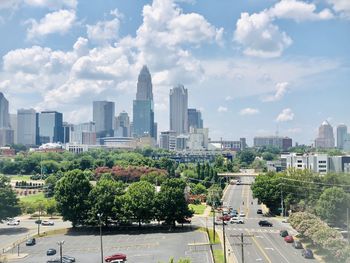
column 282, row 143
column 122, row 125
column 103, row 117
column 27, row 127
column 4, row 112
column 84, row 133
column 50, row 127
column 178, row 109
column 194, row 119
column 13, row 125
column 143, row 108
column 342, row 133
column 325, row 137
column 167, row 140
column 67, row 127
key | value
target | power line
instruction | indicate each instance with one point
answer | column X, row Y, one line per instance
column 310, row 182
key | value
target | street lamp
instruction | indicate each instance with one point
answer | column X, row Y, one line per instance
column 60, row 243
column 99, row 217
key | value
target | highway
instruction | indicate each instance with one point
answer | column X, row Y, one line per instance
column 262, row 244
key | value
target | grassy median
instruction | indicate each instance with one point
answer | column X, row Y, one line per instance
column 198, row 209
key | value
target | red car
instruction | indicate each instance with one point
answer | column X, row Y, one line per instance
column 224, row 218
column 289, row 239
column 115, row 257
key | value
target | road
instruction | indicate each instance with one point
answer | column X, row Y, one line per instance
column 263, row 244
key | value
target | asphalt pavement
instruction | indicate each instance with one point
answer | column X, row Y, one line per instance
column 261, row 244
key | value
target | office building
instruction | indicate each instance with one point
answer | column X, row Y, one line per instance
column 282, row 143
column 198, row 139
column 229, row 145
column 67, row 127
column 103, row 117
column 27, row 127
column 13, row 125
column 194, row 117
column 122, row 125
column 50, row 125
column 178, row 99
column 4, row 112
column 167, row 140
column 84, row 133
column 342, row 133
column 6, row 136
column 325, row 139
column 143, row 107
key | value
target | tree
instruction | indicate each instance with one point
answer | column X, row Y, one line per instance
column 171, row 203
column 198, row 189
column 214, row 195
column 247, row 156
column 102, row 198
column 139, row 201
column 51, row 206
column 9, row 206
column 332, row 205
column 71, row 194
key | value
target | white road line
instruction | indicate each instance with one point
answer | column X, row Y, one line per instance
column 279, row 252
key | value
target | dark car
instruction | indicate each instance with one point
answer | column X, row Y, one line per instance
column 297, row 244
column 259, row 211
column 265, row 223
column 72, row 259
column 283, row 233
column 289, row 239
column 51, row 252
column 30, row 242
column 115, row 257
column 307, row 253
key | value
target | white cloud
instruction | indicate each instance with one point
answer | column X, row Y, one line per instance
column 222, row 109
column 228, row 98
column 259, row 36
column 285, row 115
column 341, row 6
column 248, row 111
column 56, row 22
column 104, row 31
column 9, row 4
column 281, row 90
column 298, row 11
column 52, row 4
column 294, row 130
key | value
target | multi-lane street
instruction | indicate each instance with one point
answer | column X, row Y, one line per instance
column 263, row 244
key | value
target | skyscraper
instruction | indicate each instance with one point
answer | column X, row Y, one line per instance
column 143, row 109
column 26, row 127
column 325, row 137
column 342, row 131
column 50, row 127
column 6, row 133
column 178, row 109
column 83, row 133
column 194, row 119
column 103, row 116
column 122, row 125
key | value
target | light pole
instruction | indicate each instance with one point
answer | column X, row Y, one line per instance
column 60, row 243
column 99, row 217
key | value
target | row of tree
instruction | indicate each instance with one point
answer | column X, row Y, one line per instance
column 327, row 238
column 301, row 190
column 80, row 202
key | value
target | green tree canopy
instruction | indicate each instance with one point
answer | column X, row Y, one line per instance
column 9, row 206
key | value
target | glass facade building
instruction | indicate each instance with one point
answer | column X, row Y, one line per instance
column 103, row 117
column 50, row 125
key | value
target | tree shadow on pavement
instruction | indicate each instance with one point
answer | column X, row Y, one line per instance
column 13, row 231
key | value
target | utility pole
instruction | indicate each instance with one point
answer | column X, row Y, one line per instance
column 242, row 244
column 99, row 216
column 60, row 243
column 282, row 205
column 223, row 233
column 213, row 224
column 347, row 224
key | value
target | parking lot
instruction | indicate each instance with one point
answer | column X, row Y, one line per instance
column 139, row 247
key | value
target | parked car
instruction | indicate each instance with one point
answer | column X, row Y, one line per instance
column 72, row 259
column 30, row 242
column 51, row 252
column 259, row 211
column 297, row 244
column 283, row 233
column 13, row 223
column 241, row 214
column 307, row 253
column 115, row 257
column 47, row 223
column 237, row 220
column 224, row 218
column 289, row 239
column 265, row 223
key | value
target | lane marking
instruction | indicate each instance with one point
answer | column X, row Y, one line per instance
column 261, row 249
column 279, row 252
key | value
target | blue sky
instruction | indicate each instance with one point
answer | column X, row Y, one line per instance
column 253, row 67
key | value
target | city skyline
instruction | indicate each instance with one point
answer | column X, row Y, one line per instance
column 95, row 51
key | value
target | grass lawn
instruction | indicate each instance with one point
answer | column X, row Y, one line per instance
column 198, row 209
column 19, row 177
column 33, row 198
column 218, row 256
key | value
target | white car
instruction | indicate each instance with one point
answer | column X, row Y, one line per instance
column 237, row 220
column 47, row 223
column 13, row 223
column 241, row 214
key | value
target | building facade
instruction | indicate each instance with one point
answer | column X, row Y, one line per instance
column 84, row 133
column 178, row 99
column 143, row 107
column 167, row 140
column 325, row 139
column 103, row 117
column 342, row 134
column 27, row 127
column 195, row 120
column 50, row 126
column 122, row 125
column 282, row 143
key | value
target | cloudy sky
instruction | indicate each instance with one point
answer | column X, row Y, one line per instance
column 253, row 67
